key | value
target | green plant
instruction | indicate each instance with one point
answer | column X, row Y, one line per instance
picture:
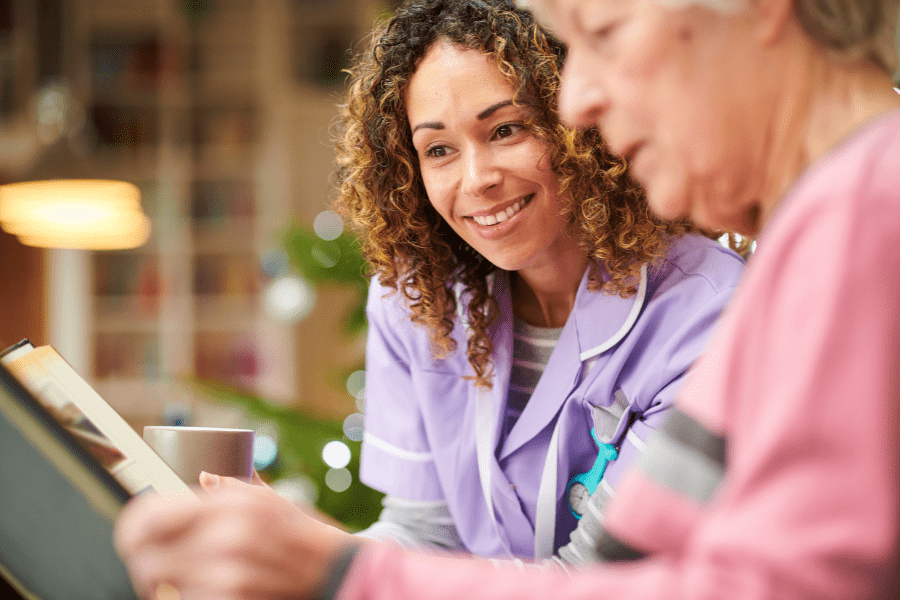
column 337, row 261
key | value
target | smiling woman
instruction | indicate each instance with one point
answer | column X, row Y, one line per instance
column 523, row 294
column 486, row 174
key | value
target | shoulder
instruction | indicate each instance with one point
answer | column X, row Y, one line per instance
column 847, row 202
column 864, row 168
column 390, row 321
column 700, row 261
column 387, row 307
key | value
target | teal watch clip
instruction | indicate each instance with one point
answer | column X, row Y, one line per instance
column 582, row 486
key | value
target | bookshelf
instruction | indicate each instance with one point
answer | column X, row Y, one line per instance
column 170, row 111
column 221, row 112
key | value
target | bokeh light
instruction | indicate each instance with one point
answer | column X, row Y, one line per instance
column 328, row 225
column 274, row 262
column 356, row 382
column 354, row 425
column 176, row 414
column 265, row 451
column 326, row 254
column 336, row 454
column 361, row 400
column 299, row 490
column 289, row 298
column 338, row 479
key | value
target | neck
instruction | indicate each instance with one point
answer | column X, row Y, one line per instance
column 824, row 102
column 545, row 296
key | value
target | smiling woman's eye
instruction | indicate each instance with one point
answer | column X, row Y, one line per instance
column 436, row 151
column 507, row 129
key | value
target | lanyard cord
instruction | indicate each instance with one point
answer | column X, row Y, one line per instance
column 484, row 433
column 545, row 517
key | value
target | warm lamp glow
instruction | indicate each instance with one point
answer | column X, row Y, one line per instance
column 74, row 213
column 129, row 235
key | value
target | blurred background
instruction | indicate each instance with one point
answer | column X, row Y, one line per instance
column 243, row 307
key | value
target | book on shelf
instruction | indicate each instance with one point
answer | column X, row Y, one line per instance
column 90, row 420
column 58, row 506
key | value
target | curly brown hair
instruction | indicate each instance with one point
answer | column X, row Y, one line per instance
column 408, row 245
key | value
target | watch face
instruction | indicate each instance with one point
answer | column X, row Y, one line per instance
column 578, row 498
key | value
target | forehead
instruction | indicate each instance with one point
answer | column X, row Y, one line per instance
column 450, row 77
column 559, row 15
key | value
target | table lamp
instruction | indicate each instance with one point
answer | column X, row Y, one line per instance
column 92, row 214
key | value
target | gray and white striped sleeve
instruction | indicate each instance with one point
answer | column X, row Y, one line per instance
column 415, row 524
column 422, row 524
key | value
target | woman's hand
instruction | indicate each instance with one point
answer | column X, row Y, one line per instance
column 239, row 541
column 208, row 482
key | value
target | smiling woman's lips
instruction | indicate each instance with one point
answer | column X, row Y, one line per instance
column 495, row 218
column 502, row 228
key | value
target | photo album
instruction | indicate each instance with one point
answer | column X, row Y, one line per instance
column 58, row 506
column 88, row 418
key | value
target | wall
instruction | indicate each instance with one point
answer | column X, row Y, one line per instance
column 22, row 271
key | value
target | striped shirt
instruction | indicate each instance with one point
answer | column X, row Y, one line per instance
column 532, row 347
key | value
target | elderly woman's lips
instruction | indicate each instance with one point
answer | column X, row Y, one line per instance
column 631, row 150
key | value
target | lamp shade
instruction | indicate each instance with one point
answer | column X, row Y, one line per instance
column 74, row 213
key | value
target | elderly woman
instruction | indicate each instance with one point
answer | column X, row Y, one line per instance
column 777, row 474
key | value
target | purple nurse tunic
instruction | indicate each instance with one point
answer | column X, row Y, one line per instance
column 432, row 435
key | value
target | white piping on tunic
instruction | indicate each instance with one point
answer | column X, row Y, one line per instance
column 393, row 450
column 629, row 322
column 484, row 433
column 637, row 442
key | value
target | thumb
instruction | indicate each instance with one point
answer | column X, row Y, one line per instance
column 209, row 481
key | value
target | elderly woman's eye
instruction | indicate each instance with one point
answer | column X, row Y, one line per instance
column 601, row 33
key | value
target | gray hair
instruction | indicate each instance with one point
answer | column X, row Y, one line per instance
column 866, row 29
column 854, row 29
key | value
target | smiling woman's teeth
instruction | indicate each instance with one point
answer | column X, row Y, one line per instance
column 502, row 215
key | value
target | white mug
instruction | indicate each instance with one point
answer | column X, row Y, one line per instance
column 190, row 450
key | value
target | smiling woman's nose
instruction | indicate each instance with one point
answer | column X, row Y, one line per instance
column 481, row 173
column 582, row 101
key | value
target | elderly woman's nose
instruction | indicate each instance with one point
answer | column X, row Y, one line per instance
column 582, row 100
column 481, row 173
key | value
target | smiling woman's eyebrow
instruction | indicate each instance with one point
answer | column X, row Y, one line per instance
column 428, row 125
column 492, row 109
column 480, row 116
